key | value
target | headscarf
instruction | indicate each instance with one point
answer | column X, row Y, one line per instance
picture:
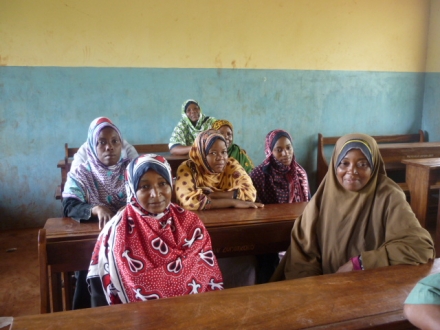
column 277, row 183
column 234, row 150
column 93, row 182
column 375, row 222
column 195, row 174
column 142, row 256
column 185, row 132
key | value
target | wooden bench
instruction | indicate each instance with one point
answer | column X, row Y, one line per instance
column 370, row 299
column 322, row 163
column 69, row 152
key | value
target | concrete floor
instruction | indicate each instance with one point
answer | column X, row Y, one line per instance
column 19, row 273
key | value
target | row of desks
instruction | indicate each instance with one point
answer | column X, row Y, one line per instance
column 355, row 300
column 233, row 231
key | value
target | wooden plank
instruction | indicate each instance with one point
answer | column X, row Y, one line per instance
column 353, row 300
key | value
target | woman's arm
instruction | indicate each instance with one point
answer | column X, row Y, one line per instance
column 78, row 211
column 424, row 317
column 178, row 149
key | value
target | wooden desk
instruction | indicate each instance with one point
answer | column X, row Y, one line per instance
column 354, row 300
column 422, row 175
column 233, row 232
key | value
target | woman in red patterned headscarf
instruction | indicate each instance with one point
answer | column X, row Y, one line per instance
column 152, row 248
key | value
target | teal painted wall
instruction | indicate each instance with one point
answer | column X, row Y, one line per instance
column 431, row 106
column 41, row 108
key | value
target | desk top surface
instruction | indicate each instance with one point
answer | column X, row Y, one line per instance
column 426, row 162
column 61, row 228
column 409, row 145
column 351, row 300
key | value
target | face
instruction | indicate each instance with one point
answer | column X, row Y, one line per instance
column 226, row 131
column 109, row 147
column 283, row 151
column 154, row 192
column 354, row 171
column 217, row 156
column 193, row 112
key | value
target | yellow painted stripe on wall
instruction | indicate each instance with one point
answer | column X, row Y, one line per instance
column 376, row 35
column 433, row 58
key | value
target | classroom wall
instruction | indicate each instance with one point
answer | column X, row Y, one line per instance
column 431, row 102
column 306, row 66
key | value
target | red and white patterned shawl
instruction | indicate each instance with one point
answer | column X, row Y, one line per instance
column 142, row 256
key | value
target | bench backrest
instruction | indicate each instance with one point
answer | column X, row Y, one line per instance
column 56, row 265
column 322, row 164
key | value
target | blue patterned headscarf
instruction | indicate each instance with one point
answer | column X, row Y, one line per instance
column 93, row 182
column 138, row 167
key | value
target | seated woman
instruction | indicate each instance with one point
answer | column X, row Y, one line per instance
column 278, row 179
column 358, row 219
column 422, row 307
column 211, row 180
column 192, row 123
column 128, row 151
column 96, row 188
column 152, row 248
column 225, row 128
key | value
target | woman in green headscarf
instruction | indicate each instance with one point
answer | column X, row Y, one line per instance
column 226, row 129
column 192, row 123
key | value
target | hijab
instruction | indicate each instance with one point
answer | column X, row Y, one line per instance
column 185, row 132
column 234, row 150
column 195, row 174
column 276, row 182
column 93, row 182
column 143, row 256
column 375, row 223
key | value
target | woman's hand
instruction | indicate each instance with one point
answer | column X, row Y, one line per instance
column 207, row 190
column 347, row 267
column 239, row 204
column 103, row 213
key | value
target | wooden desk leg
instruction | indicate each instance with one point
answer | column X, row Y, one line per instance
column 56, row 292
column 437, row 230
column 418, row 180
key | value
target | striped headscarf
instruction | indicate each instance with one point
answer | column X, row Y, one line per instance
column 93, row 182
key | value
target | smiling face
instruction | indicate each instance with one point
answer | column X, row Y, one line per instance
column 354, row 171
column 154, row 192
column 226, row 131
column 283, row 151
column 109, row 146
column 217, row 156
column 193, row 112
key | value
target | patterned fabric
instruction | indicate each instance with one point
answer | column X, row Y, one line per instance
column 195, row 174
column 185, row 132
column 93, row 182
column 375, row 222
column 277, row 183
column 234, row 150
column 142, row 256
